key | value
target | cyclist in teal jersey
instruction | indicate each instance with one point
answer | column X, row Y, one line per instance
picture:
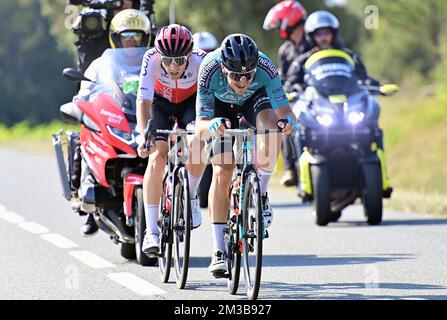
column 237, row 80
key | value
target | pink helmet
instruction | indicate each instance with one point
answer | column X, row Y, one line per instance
column 174, row 40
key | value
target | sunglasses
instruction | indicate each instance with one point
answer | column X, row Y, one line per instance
column 131, row 34
column 237, row 76
column 177, row 60
column 322, row 33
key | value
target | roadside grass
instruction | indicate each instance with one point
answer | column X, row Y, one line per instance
column 415, row 128
column 35, row 139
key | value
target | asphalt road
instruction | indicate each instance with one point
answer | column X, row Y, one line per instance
column 44, row 256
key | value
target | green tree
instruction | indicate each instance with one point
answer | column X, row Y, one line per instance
column 31, row 85
column 408, row 40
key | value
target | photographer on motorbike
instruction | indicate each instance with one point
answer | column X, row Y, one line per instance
column 321, row 30
column 93, row 24
column 322, row 33
column 129, row 28
column 289, row 16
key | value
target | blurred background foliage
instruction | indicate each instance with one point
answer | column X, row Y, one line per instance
column 410, row 44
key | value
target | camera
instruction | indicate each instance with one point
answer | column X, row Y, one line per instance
column 92, row 21
column 98, row 4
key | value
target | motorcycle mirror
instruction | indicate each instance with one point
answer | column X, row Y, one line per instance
column 389, row 89
column 73, row 75
column 70, row 113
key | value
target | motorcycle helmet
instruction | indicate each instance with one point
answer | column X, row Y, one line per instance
column 285, row 15
column 129, row 20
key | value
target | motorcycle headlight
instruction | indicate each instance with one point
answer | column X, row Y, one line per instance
column 325, row 120
column 355, row 117
column 124, row 136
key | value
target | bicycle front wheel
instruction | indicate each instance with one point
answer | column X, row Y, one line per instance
column 182, row 217
column 252, row 235
column 164, row 261
column 232, row 241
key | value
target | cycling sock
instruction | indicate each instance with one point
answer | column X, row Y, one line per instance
column 264, row 178
column 218, row 236
column 193, row 185
column 151, row 214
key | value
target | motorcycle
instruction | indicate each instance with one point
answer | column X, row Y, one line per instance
column 108, row 145
column 342, row 150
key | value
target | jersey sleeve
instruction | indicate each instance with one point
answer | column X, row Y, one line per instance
column 205, row 92
column 146, row 83
column 272, row 83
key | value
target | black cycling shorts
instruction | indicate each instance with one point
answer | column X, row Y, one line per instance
column 258, row 102
column 164, row 112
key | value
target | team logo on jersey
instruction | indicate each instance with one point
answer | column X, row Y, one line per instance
column 268, row 66
column 207, row 73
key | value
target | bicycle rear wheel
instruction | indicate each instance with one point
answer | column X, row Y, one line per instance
column 232, row 241
column 252, row 235
column 182, row 217
column 164, row 261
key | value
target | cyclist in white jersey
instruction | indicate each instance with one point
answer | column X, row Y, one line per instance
column 168, row 86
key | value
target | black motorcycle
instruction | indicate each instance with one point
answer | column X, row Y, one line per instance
column 342, row 149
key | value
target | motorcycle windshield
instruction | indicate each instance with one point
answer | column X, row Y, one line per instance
column 118, row 73
column 332, row 75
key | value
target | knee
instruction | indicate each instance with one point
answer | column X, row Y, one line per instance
column 157, row 161
column 223, row 174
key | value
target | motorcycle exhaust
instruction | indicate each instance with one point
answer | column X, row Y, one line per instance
column 57, row 144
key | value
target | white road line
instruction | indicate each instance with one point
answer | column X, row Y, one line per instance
column 136, row 284
column 33, row 227
column 11, row 217
column 91, row 259
column 59, row 241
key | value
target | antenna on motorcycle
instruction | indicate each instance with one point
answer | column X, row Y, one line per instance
column 74, row 75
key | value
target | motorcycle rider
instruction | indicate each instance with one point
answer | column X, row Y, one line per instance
column 168, row 87
column 321, row 30
column 226, row 91
column 289, row 16
column 129, row 28
column 91, row 46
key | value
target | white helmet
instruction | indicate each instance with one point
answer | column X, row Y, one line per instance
column 205, row 41
column 321, row 19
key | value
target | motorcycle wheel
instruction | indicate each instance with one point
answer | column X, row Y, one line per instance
column 372, row 193
column 335, row 216
column 128, row 251
column 322, row 193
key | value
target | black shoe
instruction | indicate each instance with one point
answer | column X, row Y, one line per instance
column 305, row 197
column 289, row 179
column 387, row 193
column 90, row 227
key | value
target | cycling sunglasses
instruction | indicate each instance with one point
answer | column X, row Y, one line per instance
column 131, row 34
column 177, row 60
column 237, row 76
